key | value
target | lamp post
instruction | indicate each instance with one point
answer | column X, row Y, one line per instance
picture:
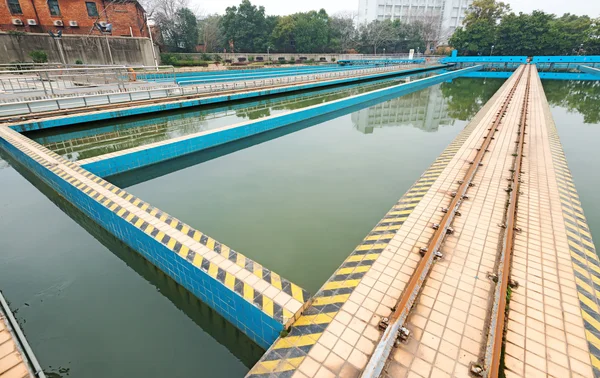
column 384, row 52
column 268, row 55
column 492, row 50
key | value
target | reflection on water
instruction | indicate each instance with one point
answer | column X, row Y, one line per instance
column 582, row 97
column 101, row 138
column 425, row 110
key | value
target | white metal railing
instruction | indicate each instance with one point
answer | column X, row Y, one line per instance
column 76, row 102
column 52, row 82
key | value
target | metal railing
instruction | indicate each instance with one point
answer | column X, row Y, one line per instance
column 152, row 93
column 51, row 82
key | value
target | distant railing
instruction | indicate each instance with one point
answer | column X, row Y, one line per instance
column 51, row 82
column 76, row 102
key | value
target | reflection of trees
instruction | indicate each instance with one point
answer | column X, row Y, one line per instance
column 465, row 96
column 582, row 97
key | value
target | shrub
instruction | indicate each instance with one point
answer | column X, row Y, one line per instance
column 79, row 61
column 39, row 56
column 168, row 59
column 217, row 58
column 333, row 59
column 205, row 57
column 251, row 58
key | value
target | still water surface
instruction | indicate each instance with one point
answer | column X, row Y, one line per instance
column 297, row 202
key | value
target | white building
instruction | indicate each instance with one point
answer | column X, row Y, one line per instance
column 449, row 14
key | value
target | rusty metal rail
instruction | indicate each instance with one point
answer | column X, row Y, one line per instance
column 497, row 324
column 395, row 329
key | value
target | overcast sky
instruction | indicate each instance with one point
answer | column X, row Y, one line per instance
column 279, row 7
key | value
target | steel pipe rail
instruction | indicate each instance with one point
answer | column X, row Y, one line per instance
column 398, row 318
column 495, row 336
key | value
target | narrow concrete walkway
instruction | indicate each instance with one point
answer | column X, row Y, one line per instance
column 547, row 336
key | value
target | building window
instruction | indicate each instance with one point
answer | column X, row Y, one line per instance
column 91, row 9
column 53, row 6
column 14, row 7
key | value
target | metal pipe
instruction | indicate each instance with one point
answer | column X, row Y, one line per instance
column 21, row 338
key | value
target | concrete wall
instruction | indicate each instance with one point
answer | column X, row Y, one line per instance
column 89, row 49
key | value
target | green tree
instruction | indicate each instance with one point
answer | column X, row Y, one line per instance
column 480, row 27
column 342, row 33
column 376, row 34
column 244, row 27
column 181, row 32
column 526, row 34
column 592, row 37
column 489, row 11
column 210, row 33
column 311, row 31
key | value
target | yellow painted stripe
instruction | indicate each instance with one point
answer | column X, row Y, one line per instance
column 185, row 229
column 121, row 212
column 276, row 366
column 149, row 229
column 139, row 222
column 129, row 217
column 357, row 269
column 367, row 247
column 332, row 285
column 197, row 236
column 382, row 236
column 171, row 243
column 591, row 304
column 163, row 217
column 174, row 223
column 213, row 269
column 276, row 280
column 225, row 251
column 323, row 318
column 241, row 260
column 296, row 341
column 197, row 261
column 183, row 252
column 210, row 243
column 258, row 270
column 370, row 256
column 229, row 280
column 267, row 306
column 297, row 293
column 341, row 298
column 144, row 206
column 590, row 319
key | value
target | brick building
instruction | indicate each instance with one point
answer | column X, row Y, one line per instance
column 127, row 17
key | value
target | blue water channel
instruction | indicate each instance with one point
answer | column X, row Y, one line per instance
column 297, row 200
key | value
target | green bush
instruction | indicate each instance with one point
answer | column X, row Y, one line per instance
column 168, row 59
column 251, row 58
column 205, row 57
column 79, row 61
column 217, row 58
column 39, row 56
column 189, row 63
column 333, row 59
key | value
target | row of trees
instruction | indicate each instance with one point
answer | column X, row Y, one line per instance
column 490, row 26
column 246, row 28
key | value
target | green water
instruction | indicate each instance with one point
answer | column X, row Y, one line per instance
column 99, row 138
column 298, row 202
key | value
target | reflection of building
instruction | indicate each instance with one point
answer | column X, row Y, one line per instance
column 448, row 14
column 426, row 109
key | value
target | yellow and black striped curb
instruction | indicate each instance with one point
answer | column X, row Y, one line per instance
column 264, row 303
column 586, row 266
column 287, row 353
